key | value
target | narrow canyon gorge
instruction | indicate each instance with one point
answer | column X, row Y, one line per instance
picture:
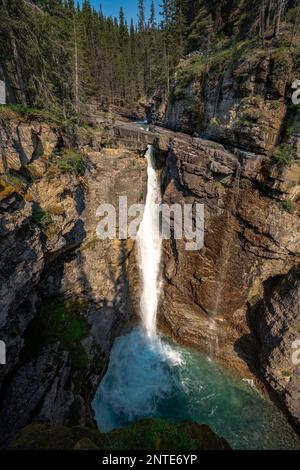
column 227, row 136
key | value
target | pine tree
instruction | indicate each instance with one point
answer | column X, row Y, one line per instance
column 152, row 24
column 141, row 17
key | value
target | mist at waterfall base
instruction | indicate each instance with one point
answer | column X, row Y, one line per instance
column 163, row 380
column 149, row 376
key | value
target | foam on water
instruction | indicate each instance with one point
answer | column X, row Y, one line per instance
column 163, row 380
column 148, row 376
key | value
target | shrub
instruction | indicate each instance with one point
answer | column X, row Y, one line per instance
column 70, row 162
column 40, row 216
column 186, row 73
column 214, row 121
column 245, row 184
column 218, row 185
column 287, row 205
column 285, row 154
column 17, row 182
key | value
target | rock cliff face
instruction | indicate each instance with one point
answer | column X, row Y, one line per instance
column 243, row 164
column 237, row 99
column 64, row 293
column 249, row 239
column 277, row 327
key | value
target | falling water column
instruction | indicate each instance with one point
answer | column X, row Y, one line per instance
column 149, row 249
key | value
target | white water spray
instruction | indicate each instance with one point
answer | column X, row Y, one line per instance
column 149, row 243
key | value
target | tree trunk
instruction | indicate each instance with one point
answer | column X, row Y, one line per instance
column 296, row 25
column 262, row 22
column 9, row 90
column 76, row 87
column 279, row 14
column 17, row 61
column 268, row 14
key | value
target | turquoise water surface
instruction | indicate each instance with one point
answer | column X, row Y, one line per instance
column 163, row 380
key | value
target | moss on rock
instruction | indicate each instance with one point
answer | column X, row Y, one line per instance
column 148, row 434
column 61, row 320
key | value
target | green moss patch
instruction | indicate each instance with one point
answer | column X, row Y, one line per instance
column 60, row 321
column 11, row 111
column 148, row 434
column 287, row 205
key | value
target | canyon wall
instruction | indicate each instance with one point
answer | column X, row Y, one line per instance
column 64, row 293
column 236, row 298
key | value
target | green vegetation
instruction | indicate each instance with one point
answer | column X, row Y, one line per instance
column 286, row 374
column 250, row 112
column 214, row 121
column 187, row 72
column 55, row 52
column 60, row 321
column 12, row 183
column 152, row 434
column 287, row 205
column 144, row 435
column 246, row 184
column 40, row 216
column 219, row 185
column 6, row 190
column 285, row 154
column 17, row 181
column 11, row 111
column 69, row 161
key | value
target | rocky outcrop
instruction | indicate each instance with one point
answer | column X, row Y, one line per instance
column 65, row 294
column 277, row 326
column 243, row 164
column 249, row 238
column 22, row 142
column 238, row 98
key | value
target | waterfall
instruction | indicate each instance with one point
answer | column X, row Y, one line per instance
column 149, row 249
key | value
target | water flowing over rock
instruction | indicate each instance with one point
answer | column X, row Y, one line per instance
column 149, row 250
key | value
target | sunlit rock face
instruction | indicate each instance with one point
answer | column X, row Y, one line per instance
column 249, row 238
column 236, row 118
column 54, row 267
